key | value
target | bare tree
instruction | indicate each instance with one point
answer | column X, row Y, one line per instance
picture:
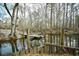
column 13, row 25
column 13, row 17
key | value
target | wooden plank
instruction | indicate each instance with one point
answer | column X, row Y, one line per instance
column 62, row 46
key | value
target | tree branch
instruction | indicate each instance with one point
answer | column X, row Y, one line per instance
column 7, row 9
column 14, row 9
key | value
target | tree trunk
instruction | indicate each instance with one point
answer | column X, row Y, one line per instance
column 63, row 15
column 51, row 31
column 13, row 19
column 13, row 24
column 66, row 15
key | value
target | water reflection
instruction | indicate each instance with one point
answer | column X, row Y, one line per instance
column 7, row 49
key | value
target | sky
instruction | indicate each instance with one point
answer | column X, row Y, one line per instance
column 3, row 12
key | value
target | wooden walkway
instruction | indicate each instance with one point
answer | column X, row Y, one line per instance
column 41, row 52
column 44, row 50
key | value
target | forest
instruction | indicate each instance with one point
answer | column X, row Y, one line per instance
column 39, row 29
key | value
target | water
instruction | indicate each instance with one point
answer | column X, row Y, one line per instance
column 67, row 42
column 7, row 49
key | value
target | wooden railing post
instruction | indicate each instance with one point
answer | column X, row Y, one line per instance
column 46, row 41
column 62, row 37
column 28, row 39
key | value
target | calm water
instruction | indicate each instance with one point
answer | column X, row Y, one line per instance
column 7, row 50
column 6, row 47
